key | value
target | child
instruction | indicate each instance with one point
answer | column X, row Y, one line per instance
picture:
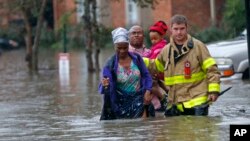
column 156, row 34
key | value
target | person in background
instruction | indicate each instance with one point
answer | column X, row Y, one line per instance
column 189, row 71
column 136, row 41
column 136, row 45
column 157, row 33
column 126, row 82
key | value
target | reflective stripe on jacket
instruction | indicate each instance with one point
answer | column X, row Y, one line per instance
column 204, row 77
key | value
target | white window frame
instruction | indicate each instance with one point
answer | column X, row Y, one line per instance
column 79, row 10
column 132, row 13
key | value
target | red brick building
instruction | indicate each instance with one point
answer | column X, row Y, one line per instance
column 113, row 13
column 126, row 13
column 6, row 16
column 63, row 7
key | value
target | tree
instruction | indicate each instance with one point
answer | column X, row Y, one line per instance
column 88, row 30
column 34, row 58
column 32, row 13
column 91, row 31
column 234, row 19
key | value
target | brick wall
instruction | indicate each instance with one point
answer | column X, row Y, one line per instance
column 146, row 17
column 162, row 11
column 197, row 11
column 105, row 11
column 118, row 13
column 62, row 7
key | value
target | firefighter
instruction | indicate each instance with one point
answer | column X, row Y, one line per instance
column 190, row 73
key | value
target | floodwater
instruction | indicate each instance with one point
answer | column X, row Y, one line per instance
column 49, row 106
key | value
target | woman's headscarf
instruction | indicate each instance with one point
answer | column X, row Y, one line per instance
column 120, row 35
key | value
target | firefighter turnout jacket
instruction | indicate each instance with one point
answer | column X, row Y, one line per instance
column 190, row 73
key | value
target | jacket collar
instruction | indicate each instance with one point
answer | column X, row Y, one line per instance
column 185, row 47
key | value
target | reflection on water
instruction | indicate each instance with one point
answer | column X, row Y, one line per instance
column 40, row 108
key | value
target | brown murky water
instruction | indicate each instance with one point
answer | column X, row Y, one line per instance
column 44, row 107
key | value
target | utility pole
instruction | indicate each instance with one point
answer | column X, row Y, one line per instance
column 213, row 12
column 248, row 30
column 64, row 38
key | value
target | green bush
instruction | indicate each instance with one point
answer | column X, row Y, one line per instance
column 234, row 18
column 210, row 34
column 47, row 37
column 14, row 32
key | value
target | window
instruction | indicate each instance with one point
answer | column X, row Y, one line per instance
column 132, row 14
column 79, row 10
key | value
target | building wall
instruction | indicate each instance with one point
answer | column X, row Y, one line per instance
column 118, row 13
column 146, row 17
column 162, row 11
column 112, row 13
column 7, row 16
column 4, row 18
column 197, row 12
column 104, row 13
column 219, row 6
column 62, row 7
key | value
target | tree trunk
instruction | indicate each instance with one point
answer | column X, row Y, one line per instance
column 96, row 31
column 88, row 35
column 37, row 37
column 28, row 41
column 28, row 35
column 32, row 47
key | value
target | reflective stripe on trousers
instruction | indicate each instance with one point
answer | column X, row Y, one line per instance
column 192, row 103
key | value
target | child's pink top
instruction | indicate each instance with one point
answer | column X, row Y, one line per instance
column 156, row 49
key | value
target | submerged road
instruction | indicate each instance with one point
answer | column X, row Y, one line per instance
column 43, row 107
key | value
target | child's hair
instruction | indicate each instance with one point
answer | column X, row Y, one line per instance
column 160, row 27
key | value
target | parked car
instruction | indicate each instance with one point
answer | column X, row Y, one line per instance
column 231, row 57
column 7, row 44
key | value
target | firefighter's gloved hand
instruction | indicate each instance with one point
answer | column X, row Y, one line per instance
column 212, row 97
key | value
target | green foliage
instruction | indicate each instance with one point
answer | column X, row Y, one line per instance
column 47, row 37
column 234, row 19
column 64, row 19
column 103, row 38
column 75, row 37
column 14, row 32
column 210, row 34
column 233, row 23
column 55, row 45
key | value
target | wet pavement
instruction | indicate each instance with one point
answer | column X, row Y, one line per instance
column 43, row 107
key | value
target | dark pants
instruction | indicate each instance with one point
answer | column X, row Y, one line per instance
column 201, row 110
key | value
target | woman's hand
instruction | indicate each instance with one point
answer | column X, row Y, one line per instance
column 155, row 76
column 147, row 97
column 105, row 82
